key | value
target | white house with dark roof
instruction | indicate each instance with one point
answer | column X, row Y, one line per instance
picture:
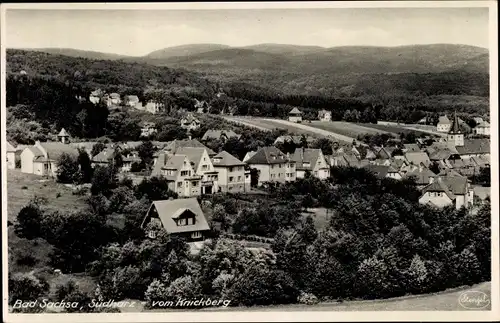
column 131, row 100
column 178, row 170
column 482, row 127
column 41, row 158
column 232, row 176
column 312, row 160
column 295, row 115
column 183, row 217
column 444, row 124
column 273, row 165
column 202, row 166
column 382, row 171
column 448, row 190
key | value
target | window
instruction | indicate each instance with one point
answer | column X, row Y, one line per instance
column 316, row 173
column 279, row 175
column 307, row 164
column 179, row 184
column 204, row 167
column 184, row 173
column 281, row 166
column 231, row 169
column 231, row 178
column 239, row 178
column 152, row 234
column 195, row 184
column 196, row 235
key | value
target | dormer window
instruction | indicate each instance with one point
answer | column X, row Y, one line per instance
column 307, row 164
column 152, row 234
column 217, row 160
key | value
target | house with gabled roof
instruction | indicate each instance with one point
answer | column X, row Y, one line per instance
column 189, row 122
column 42, row 158
column 202, row 166
column 273, row 165
column 382, row 171
column 310, row 160
column 364, row 152
column 474, row 148
column 448, row 190
column 222, row 135
column 444, row 124
column 385, row 152
column 232, row 176
column 295, row 115
column 482, row 127
column 411, row 148
column 179, row 171
column 421, row 175
column 181, row 217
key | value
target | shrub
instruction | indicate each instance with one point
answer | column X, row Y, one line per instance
column 28, row 221
column 26, row 287
column 27, row 260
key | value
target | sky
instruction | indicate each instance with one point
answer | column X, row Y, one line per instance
column 138, row 32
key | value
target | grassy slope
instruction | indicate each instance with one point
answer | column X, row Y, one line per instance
column 345, row 128
column 39, row 249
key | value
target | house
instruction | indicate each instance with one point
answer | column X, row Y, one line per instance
column 63, row 136
column 421, row 175
column 448, row 190
column 95, row 96
column 381, row 161
column 222, row 135
column 148, row 129
column 202, row 166
column 11, row 156
column 273, row 165
column 310, row 160
column 200, row 106
column 382, row 171
column 42, row 158
column 151, row 107
column 190, row 122
column 174, row 145
column 178, row 170
column 444, row 124
column 482, row 127
column 232, row 176
column 324, row 115
column 295, row 115
column 416, row 158
column 474, row 148
column 103, row 158
column 385, row 152
column 131, row 100
column 337, row 160
column 364, row 152
column 181, row 217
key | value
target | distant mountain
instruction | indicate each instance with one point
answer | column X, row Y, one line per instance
column 348, row 59
column 77, row 53
column 184, row 50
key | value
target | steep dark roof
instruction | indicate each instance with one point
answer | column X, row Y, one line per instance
column 438, row 186
column 268, row 155
column 217, row 134
column 422, row 176
column 455, row 127
column 380, row 171
column 444, row 120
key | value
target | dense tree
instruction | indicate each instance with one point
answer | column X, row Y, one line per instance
column 67, row 167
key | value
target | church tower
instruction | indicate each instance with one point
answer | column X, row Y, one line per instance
column 455, row 135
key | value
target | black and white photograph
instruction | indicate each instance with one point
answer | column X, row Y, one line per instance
column 309, row 161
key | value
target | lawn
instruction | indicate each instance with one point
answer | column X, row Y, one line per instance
column 392, row 129
column 346, row 128
column 22, row 188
